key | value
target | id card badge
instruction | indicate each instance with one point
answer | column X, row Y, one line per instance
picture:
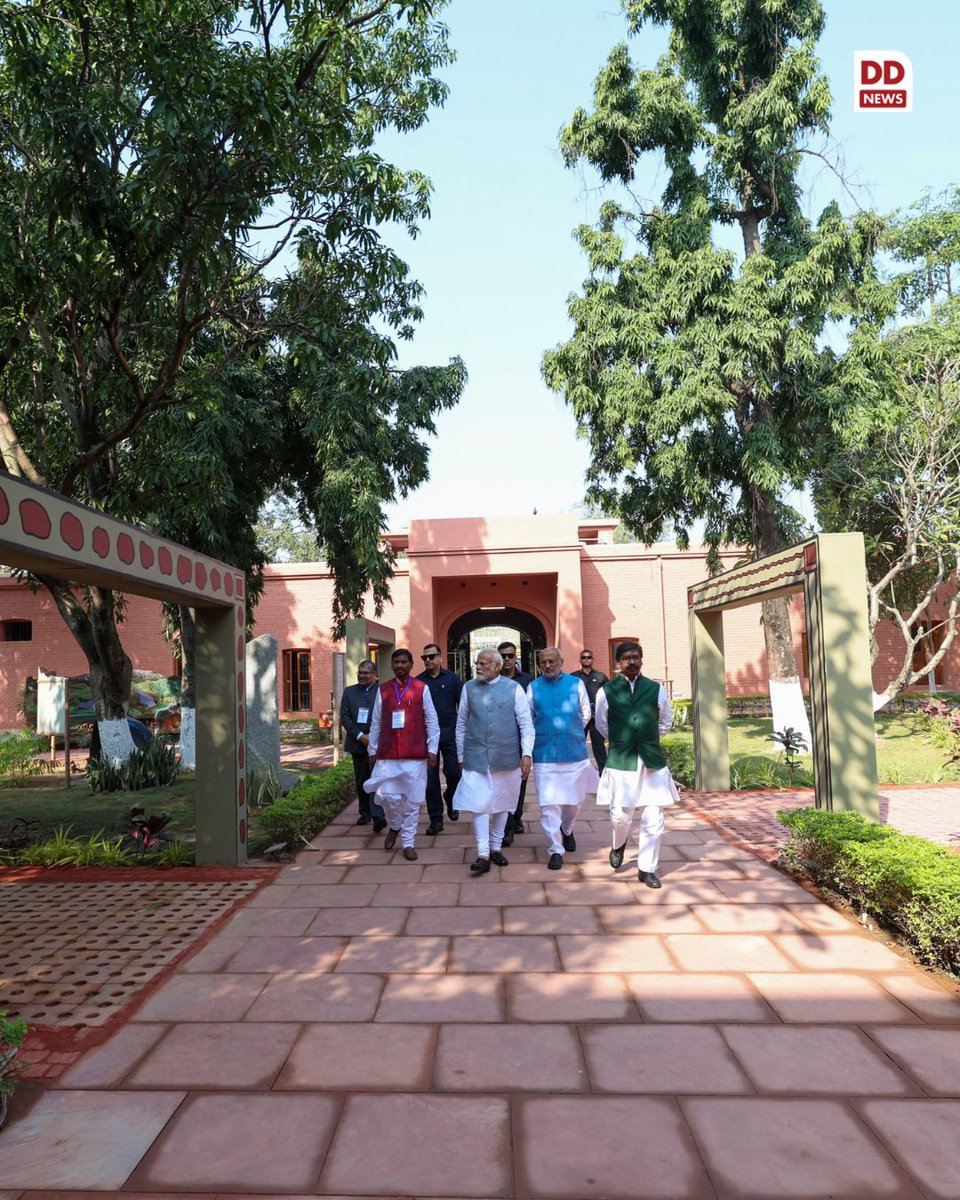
column 363, row 716
column 398, row 716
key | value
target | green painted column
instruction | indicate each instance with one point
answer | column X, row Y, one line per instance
column 221, row 811
column 708, row 675
column 841, row 683
column 355, row 642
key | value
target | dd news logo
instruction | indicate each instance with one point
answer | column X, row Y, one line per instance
column 882, row 80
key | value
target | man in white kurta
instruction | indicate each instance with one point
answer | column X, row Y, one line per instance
column 562, row 771
column 404, row 736
column 494, row 747
column 632, row 713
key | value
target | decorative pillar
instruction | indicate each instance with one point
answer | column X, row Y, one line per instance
column 708, row 677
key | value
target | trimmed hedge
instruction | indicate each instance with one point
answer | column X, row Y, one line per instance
column 303, row 812
column 906, row 882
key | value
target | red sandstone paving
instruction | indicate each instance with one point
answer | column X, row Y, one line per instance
column 367, row 1026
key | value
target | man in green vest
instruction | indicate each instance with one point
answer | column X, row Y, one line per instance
column 632, row 712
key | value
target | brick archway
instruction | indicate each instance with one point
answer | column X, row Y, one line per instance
column 532, row 630
column 44, row 532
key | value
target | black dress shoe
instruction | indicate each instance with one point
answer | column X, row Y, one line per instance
column 434, row 827
column 391, row 839
column 481, row 866
column 518, row 826
column 508, row 832
column 555, row 862
column 616, row 856
column 498, row 858
column 569, row 841
column 364, row 820
column 379, row 824
column 649, row 878
column 453, row 813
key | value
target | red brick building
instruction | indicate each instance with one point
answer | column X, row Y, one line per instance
column 555, row 580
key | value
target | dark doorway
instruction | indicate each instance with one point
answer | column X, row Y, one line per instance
column 533, row 637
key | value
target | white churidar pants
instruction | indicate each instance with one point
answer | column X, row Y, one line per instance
column 561, row 789
column 488, row 831
column 649, row 790
column 401, row 787
column 557, row 817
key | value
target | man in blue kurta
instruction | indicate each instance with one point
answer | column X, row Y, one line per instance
column 632, row 712
column 562, row 770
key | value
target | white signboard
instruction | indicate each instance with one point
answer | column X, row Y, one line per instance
column 51, row 703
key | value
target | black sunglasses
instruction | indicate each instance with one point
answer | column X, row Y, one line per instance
column 427, row 657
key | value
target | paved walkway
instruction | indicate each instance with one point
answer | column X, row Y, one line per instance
column 365, row 1026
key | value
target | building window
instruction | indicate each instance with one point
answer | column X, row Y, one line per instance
column 16, row 631
column 296, row 681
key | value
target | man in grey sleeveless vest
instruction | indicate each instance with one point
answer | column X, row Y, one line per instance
column 494, row 746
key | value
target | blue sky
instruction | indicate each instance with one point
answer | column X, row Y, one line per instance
column 497, row 257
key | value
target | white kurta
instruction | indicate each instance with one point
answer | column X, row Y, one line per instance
column 628, row 789
column 492, row 791
column 402, row 776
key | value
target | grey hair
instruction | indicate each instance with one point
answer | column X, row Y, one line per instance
column 494, row 654
column 550, row 650
column 367, row 662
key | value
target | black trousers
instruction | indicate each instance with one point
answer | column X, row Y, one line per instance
column 517, row 813
column 361, row 773
column 451, row 773
column 598, row 745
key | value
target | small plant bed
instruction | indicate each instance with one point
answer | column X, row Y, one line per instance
column 292, row 820
column 906, row 884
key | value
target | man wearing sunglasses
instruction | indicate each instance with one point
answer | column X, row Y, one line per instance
column 444, row 687
column 513, row 670
column 593, row 681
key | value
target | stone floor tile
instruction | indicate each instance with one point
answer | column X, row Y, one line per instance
column 83, row 1139
column 569, row 997
column 375, row 955
column 361, row 1057
column 440, row 855
column 615, row 952
column 838, row 951
column 619, row 1148
column 452, row 997
column 524, row 872
column 814, row 1059
column 673, row 1059
column 212, row 956
column 305, row 876
column 399, row 872
column 748, row 918
column 565, row 918
column 336, row 856
column 229, row 1055
column 318, row 998
column 336, row 895
column 416, row 895
column 821, row 918
column 766, row 1149
column 104, row 1066
column 449, row 921
column 350, row 922
column 766, row 891
column 278, row 955
column 710, row 851
column 196, row 997
column 242, row 1142
column 930, row 997
column 726, row 952
column 697, row 891
column 530, row 952
column 257, row 922
column 923, row 1135
column 649, row 918
column 486, row 891
column 828, row 998
column 684, row 871
column 929, row 1053
column 508, row 1058
column 596, row 891
column 685, row 996
column 454, row 1146
column 457, row 872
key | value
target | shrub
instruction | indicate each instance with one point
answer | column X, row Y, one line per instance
column 154, row 765
column 21, row 757
column 905, row 882
column 680, row 760
column 303, row 812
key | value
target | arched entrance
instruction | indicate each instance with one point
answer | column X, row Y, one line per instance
column 533, row 636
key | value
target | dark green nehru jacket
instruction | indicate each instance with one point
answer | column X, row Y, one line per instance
column 633, row 719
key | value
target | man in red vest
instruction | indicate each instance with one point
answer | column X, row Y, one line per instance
column 404, row 736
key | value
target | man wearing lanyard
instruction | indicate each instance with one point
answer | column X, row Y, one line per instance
column 444, row 687
column 356, row 709
column 404, row 736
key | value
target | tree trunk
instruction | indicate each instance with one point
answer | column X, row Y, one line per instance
column 94, row 626
column 188, row 699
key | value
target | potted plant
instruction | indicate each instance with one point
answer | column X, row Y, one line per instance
column 12, row 1032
